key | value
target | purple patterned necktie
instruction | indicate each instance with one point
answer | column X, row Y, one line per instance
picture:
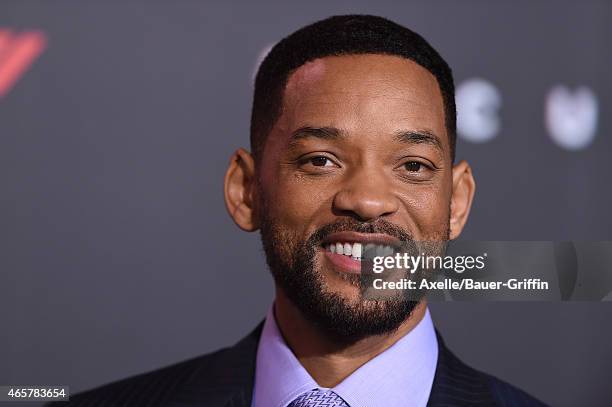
column 319, row 398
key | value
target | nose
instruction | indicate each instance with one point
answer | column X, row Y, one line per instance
column 365, row 196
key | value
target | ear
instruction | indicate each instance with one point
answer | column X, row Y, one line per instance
column 464, row 187
column 240, row 190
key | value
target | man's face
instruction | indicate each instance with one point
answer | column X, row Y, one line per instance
column 360, row 154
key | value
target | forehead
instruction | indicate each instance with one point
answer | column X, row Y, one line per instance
column 361, row 92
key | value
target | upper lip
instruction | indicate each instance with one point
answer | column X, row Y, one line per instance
column 356, row 237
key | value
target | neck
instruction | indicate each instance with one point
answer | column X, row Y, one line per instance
column 326, row 359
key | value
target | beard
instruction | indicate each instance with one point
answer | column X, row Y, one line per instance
column 292, row 263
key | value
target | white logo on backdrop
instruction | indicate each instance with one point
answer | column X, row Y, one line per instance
column 478, row 102
column 571, row 117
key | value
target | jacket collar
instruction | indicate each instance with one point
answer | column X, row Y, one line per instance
column 224, row 378
column 456, row 384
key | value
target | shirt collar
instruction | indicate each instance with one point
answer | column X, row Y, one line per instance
column 401, row 375
column 279, row 376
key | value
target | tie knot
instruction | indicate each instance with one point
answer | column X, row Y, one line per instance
column 319, row 398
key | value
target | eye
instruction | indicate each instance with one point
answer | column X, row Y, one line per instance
column 414, row 170
column 317, row 164
column 413, row 166
column 320, row 161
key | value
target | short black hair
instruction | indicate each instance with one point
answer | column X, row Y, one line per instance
column 336, row 36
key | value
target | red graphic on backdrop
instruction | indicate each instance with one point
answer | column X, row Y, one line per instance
column 17, row 52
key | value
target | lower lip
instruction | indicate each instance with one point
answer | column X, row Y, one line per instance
column 343, row 263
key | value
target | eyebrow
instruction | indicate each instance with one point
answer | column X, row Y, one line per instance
column 325, row 133
column 419, row 137
column 332, row 133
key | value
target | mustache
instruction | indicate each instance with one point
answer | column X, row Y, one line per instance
column 352, row 225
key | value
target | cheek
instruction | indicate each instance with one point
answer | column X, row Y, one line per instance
column 307, row 198
column 297, row 202
column 428, row 210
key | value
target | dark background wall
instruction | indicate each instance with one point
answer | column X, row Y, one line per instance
column 117, row 256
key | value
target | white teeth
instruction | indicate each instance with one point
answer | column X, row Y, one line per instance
column 356, row 251
column 339, row 248
column 353, row 250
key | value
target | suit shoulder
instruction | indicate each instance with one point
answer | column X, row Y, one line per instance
column 458, row 384
column 152, row 388
column 505, row 393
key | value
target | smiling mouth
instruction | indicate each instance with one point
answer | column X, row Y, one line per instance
column 355, row 250
column 346, row 250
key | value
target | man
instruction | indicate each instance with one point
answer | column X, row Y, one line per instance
column 353, row 143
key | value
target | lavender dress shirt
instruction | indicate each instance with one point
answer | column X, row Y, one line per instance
column 402, row 375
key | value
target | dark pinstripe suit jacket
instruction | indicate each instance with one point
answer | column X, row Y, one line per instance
column 225, row 379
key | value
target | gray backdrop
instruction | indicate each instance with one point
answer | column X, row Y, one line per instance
column 117, row 256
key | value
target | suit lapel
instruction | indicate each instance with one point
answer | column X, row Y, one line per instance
column 224, row 379
column 456, row 384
